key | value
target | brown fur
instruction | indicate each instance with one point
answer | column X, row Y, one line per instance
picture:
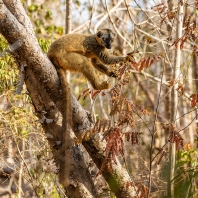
column 72, row 52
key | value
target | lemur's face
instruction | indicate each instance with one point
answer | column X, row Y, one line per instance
column 105, row 38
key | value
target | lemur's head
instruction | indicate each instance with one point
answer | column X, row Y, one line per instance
column 105, row 38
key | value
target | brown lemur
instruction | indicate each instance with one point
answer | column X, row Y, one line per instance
column 80, row 52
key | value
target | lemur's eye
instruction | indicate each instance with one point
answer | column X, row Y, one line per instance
column 111, row 40
column 104, row 39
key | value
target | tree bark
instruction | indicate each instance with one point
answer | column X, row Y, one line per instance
column 174, row 100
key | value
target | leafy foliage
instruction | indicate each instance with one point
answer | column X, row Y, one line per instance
column 18, row 129
column 187, row 172
column 41, row 18
column 8, row 69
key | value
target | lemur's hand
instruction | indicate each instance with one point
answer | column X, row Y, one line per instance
column 113, row 74
column 130, row 57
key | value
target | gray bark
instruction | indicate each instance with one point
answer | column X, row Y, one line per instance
column 174, row 100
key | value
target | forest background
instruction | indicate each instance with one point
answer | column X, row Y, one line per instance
column 140, row 136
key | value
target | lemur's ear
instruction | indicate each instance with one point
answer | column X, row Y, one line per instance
column 99, row 33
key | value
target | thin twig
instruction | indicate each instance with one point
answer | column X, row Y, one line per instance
column 116, row 29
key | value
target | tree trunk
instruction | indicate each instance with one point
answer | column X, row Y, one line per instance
column 174, row 99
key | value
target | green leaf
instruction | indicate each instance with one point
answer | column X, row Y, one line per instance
column 78, row 3
column 48, row 15
column 33, row 8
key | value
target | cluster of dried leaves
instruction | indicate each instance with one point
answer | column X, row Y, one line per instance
column 181, row 89
column 142, row 190
column 164, row 12
column 133, row 137
column 90, row 92
column 163, row 154
column 144, row 62
column 124, row 108
column 196, row 4
column 101, row 126
column 114, row 144
column 176, row 138
column 190, row 32
column 189, row 25
column 194, row 99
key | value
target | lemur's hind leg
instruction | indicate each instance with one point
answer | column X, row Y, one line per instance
column 88, row 71
column 76, row 62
